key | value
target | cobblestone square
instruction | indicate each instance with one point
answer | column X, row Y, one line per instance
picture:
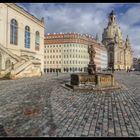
column 40, row 106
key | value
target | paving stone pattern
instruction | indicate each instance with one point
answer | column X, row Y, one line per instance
column 40, row 106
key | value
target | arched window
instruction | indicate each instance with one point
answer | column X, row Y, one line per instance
column 27, row 37
column 37, row 41
column 14, row 32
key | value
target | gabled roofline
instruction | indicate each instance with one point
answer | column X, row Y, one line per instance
column 25, row 13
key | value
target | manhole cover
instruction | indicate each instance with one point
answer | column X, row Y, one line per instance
column 31, row 111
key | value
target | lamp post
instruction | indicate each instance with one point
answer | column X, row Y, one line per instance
column 57, row 70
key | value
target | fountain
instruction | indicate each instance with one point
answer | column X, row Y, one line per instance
column 92, row 80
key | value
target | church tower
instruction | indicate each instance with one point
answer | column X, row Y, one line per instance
column 112, row 18
column 116, row 47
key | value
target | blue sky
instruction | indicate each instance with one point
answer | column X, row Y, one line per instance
column 90, row 18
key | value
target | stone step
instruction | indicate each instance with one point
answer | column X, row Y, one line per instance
column 22, row 67
column 18, row 64
column 14, row 56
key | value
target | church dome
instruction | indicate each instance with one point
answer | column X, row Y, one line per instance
column 112, row 30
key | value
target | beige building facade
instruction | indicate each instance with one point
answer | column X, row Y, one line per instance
column 68, row 52
column 21, row 42
column 120, row 55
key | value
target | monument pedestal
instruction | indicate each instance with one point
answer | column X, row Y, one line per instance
column 98, row 81
column 91, row 69
column 83, row 79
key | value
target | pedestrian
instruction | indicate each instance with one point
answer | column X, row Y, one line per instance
column 57, row 72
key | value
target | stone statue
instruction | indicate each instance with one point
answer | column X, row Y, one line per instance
column 92, row 53
column 91, row 65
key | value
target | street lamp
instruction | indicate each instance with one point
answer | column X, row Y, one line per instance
column 57, row 70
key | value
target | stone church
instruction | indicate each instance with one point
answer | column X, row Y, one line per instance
column 21, row 43
column 120, row 55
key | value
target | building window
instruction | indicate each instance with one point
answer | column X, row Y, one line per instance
column 27, row 37
column 37, row 42
column 14, row 32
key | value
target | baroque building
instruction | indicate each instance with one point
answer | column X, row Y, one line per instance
column 21, row 42
column 120, row 55
column 68, row 52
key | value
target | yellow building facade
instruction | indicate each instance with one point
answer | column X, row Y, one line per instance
column 120, row 55
column 21, row 42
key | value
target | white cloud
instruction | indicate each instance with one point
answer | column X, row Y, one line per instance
column 132, row 16
column 127, row 23
column 87, row 18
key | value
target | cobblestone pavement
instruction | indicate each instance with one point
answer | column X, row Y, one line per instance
column 42, row 107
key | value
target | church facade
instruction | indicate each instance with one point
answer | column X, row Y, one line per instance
column 21, row 42
column 120, row 55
